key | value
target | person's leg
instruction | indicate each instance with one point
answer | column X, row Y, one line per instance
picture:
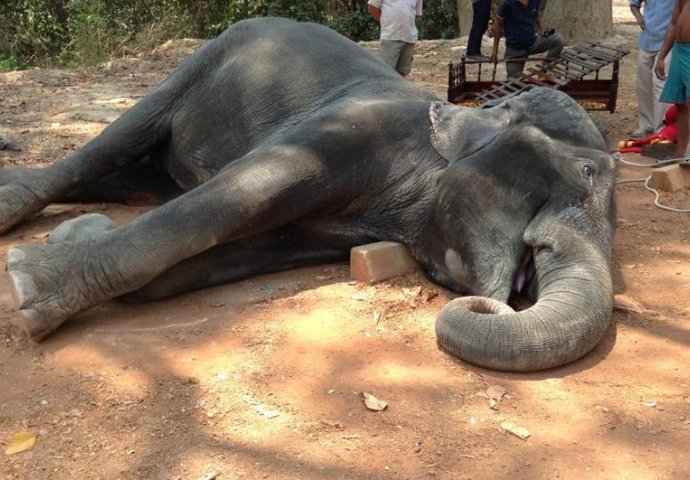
column 481, row 11
column 682, row 128
column 514, row 69
column 645, row 94
column 553, row 45
column 390, row 52
column 676, row 91
column 657, row 86
column 404, row 66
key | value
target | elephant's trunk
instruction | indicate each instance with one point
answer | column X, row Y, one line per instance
column 571, row 315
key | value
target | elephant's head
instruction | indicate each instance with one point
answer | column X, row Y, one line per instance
column 526, row 204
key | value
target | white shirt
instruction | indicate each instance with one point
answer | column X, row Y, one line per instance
column 397, row 19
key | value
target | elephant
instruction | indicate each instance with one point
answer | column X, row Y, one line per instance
column 280, row 144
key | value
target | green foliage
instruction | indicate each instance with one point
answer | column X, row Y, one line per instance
column 31, row 31
column 40, row 32
column 90, row 38
column 354, row 24
column 8, row 63
column 440, row 20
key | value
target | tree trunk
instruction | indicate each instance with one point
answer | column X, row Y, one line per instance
column 575, row 20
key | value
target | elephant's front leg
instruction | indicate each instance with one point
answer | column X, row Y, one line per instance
column 54, row 281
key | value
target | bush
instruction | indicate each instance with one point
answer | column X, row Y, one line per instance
column 440, row 20
column 355, row 24
column 40, row 32
column 8, row 63
column 31, row 31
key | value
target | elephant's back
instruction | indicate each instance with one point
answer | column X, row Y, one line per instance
column 262, row 76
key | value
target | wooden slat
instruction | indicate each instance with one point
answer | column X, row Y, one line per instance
column 595, row 53
column 619, row 53
column 537, row 82
column 567, row 73
column 511, row 87
column 520, row 83
column 545, row 76
column 579, row 69
column 567, row 55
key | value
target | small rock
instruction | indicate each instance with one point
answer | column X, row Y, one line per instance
column 516, row 430
column 208, row 476
column 264, row 411
column 373, row 403
column 333, row 424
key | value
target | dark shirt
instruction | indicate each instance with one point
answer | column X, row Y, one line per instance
column 519, row 23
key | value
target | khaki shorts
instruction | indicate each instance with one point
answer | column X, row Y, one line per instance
column 398, row 55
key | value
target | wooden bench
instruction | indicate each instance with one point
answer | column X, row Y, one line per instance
column 588, row 72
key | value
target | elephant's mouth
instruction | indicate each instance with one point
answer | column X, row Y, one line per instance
column 525, row 272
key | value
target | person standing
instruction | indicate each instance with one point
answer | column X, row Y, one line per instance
column 398, row 31
column 653, row 19
column 481, row 12
column 520, row 20
column 677, row 87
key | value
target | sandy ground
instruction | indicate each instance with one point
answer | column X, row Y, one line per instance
column 264, row 378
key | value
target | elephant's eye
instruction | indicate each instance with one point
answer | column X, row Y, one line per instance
column 588, row 172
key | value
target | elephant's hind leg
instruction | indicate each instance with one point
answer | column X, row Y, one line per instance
column 260, row 254
column 143, row 183
column 140, row 130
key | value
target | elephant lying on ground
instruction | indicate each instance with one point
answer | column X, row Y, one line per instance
column 282, row 144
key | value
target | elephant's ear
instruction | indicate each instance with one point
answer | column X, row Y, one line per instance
column 457, row 132
column 557, row 115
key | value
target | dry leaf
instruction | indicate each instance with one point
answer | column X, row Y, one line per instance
column 516, row 430
column 495, row 393
column 373, row 403
column 20, row 442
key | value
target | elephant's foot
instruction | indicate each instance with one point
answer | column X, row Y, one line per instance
column 48, row 281
column 83, row 227
column 43, row 287
column 17, row 202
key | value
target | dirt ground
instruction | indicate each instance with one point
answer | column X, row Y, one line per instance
column 264, row 378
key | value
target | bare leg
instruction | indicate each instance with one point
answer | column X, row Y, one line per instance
column 683, row 128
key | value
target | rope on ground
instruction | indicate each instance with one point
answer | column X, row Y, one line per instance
column 646, row 180
column 656, row 199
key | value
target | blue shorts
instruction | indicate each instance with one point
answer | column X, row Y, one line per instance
column 677, row 86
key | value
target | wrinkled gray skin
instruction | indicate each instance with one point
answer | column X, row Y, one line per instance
column 287, row 145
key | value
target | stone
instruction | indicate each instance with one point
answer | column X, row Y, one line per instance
column 671, row 177
column 380, row 261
